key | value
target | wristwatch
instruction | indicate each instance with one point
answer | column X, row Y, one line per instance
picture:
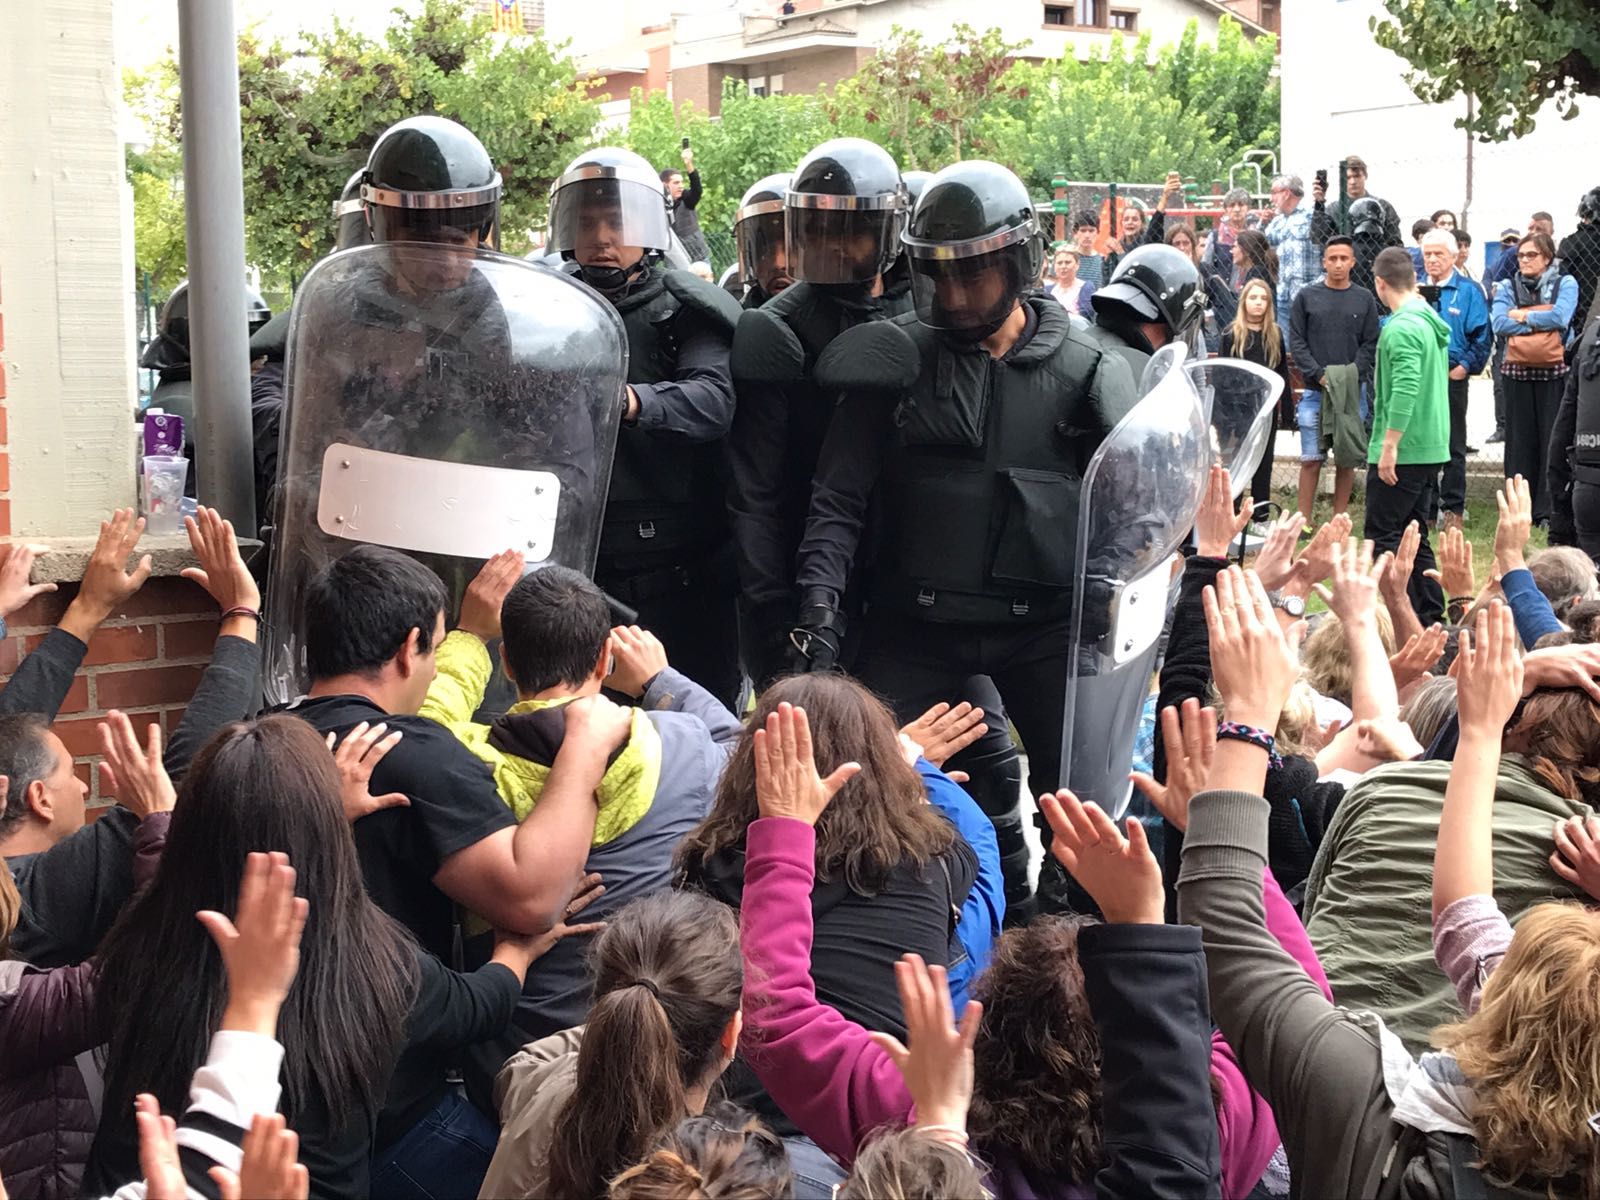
column 1294, row 606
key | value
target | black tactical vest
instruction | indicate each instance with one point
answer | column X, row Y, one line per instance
column 980, row 487
column 1586, row 438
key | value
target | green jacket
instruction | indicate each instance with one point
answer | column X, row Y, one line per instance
column 1369, row 898
column 1413, row 385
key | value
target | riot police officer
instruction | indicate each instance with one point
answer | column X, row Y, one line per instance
column 664, row 547
column 843, row 214
column 1575, row 443
column 763, row 268
column 1152, row 298
column 1367, row 238
column 970, row 452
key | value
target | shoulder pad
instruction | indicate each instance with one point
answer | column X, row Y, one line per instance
column 707, row 299
column 766, row 350
column 878, row 356
column 272, row 339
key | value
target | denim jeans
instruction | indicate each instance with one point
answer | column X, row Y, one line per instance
column 444, row 1156
column 815, row 1174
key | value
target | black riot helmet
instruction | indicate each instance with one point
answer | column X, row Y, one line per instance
column 915, row 182
column 1154, row 284
column 843, row 213
column 169, row 349
column 429, row 179
column 758, row 230
column 1589, row 207
column 1366, row 216
column 349, row 215
column 974, row 248
column 608, row 204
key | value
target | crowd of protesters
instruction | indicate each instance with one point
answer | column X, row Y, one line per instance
column 622, row 941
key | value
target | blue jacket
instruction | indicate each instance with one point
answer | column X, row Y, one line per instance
column 1558, row 290
column 985, row 910
column 1464, row 309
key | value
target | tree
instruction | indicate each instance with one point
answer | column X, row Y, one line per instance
column 310, row 113
column 1228, row 84
column 1511, row 59
column 925, row 102
column 155, row 172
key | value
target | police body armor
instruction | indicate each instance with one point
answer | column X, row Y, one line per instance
column 1586, row 437
column 979, row 503
column 447, row 402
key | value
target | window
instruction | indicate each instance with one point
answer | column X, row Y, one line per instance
column 1055, row 14
column 775, row 85
column 1090, row 13
column 757, row 85
column 1125, row 21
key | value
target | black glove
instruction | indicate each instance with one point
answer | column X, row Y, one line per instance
column 815, row 641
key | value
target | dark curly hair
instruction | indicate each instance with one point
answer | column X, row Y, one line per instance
column 1037, row 1055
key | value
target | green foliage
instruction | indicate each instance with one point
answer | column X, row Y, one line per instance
column 1113, row 118
column 155, row 170
column 925, row 101
column 1511, row 58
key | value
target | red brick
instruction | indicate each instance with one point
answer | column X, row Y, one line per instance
column 5, row 518
column 86, row 772
column 77, row 700
column 126, row 644
column 5, row 472
column 2, row 389
column 10, row 655
column 82, row 738
column 188, row 639
column 167, row 597
column 2, row 333
column 4, row 424
column 43, row 610
column 150, row 685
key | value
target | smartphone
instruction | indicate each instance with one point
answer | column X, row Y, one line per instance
column 1430, row 293
column 685, row 143
column 1322, row 178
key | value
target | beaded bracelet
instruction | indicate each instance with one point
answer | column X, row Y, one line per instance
column 1255, row 737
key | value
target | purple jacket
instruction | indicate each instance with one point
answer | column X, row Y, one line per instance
column 47, row 1019
column 837, row 1086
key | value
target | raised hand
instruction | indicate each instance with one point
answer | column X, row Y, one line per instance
column 1315, row 563
column 787, row 781
column 1119, row 873
column 1418, row 656
column 15, row 575
column 1577, row 855
column 269, row 1168
column 107, row 583
column 1252, row 663
column 480, row 605
column 1190, row 738
column 936, row 1061
column 1455, row 574
column 1354, row 595
column 1489, row 680
column 1515, row 526
column 158, row 1150
column 135, row 775
column 1275, row 563
column 944, row 731
column 260, row 947
column 222, row 571
column 363, row 748
column 1218, row 523
column 638, row 657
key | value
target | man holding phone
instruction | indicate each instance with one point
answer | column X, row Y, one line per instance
column 684, row 200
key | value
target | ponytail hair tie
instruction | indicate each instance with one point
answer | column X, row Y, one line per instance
column 648, row 985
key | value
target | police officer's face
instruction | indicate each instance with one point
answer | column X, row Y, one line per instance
column 773, row 270
column 600, row 241
column 972, row 295
column 423, row 271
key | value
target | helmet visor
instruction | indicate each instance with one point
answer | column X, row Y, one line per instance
column 468, row 228
column 841, row 245
column 599, row 219
column 763, row 254
column 969, row 295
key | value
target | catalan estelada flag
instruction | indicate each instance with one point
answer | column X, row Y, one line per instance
column 508, row 16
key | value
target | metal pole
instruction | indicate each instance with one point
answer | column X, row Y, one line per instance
column 213, row 187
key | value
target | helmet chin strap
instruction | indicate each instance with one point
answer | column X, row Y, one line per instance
column 616, row 281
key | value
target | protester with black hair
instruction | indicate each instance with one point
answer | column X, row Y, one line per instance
column 558, row 647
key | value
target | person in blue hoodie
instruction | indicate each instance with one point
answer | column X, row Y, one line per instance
column 1465, row 310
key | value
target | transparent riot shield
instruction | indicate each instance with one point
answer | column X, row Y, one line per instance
column 1240, row 398
column 446, row 402
column 1140, row 494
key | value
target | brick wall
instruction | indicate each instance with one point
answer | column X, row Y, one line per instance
column 146, row 660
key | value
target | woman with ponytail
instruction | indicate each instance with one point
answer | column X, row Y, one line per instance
column 580, row 1107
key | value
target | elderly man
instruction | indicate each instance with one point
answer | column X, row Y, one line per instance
column 1461, row 303
column 1290, row 235
column 1217, row 255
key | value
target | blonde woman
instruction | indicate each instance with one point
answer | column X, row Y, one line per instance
column 1256, row 337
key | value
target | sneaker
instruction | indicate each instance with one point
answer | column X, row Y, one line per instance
column 1472, row 450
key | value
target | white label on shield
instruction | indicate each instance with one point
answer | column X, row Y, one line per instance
column 1139, row 613
column 436, row 507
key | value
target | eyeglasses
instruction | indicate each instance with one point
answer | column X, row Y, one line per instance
column 1529, row 254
